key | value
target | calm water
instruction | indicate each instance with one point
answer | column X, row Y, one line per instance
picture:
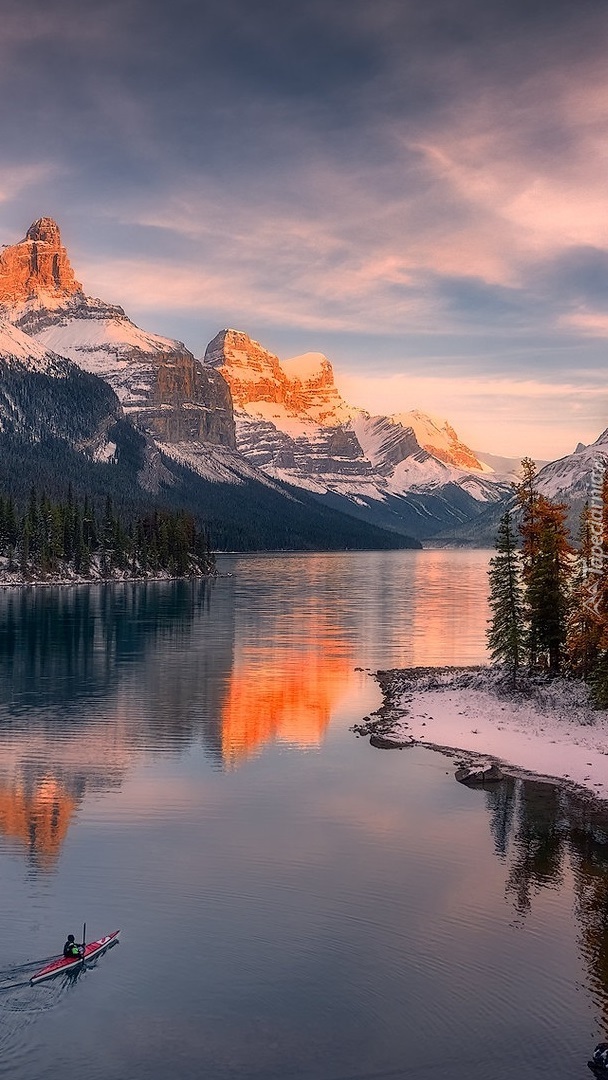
column 176, row 760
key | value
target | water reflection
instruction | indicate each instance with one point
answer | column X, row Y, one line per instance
column 287, row 693
column 66, row 657
column 59, row 647
column 349, row 904
column 545, row 833
column 95, row 677
column 37, row 814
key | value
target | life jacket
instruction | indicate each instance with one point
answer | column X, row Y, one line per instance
column 600, row 1057
column 71, row 949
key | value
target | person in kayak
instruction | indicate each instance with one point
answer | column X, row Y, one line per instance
column 71, row 948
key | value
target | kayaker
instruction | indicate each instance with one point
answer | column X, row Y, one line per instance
column 71, row 948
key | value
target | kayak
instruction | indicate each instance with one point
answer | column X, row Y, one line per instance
column 68, row 963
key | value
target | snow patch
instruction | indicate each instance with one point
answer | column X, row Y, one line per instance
column 551, row 729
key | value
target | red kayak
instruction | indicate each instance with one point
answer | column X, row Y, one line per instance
column 68, row 963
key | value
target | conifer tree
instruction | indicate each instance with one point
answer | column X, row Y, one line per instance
column 24, row 548
column 599, row 675
column 546, row 568
column 548, row 584
column 506, row 631
column 527, row 498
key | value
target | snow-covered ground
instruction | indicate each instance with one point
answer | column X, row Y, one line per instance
column 548, row 728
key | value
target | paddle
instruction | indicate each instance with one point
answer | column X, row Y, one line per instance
column 84, row 940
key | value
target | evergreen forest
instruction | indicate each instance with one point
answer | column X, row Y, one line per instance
column 549, row 590
column 75, row 539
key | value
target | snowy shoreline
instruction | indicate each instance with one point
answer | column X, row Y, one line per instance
column 112, row 579
column 547, row 729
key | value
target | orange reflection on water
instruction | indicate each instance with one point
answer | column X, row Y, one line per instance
column 287, row 695
column 38, row 816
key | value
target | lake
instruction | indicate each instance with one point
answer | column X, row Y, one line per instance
column 177, row 760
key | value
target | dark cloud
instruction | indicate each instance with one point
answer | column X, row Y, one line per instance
column 579, row 275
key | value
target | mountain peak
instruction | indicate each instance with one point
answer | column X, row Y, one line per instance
column 260, row 383
column 38, row 266
column 438, row 438
column 44, row 230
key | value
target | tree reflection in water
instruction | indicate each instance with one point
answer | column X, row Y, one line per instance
column 543, row 830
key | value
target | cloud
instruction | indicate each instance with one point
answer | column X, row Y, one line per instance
column 14, row 179
column 593, row 323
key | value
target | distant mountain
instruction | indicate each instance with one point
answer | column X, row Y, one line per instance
column 571, row 479
column 507, row 468
column 409, row 472
column 568, row 480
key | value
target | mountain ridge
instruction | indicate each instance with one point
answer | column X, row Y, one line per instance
column 241, row 416
column 158, row 424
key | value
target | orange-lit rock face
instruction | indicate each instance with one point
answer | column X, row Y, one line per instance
column 38, row 817
column 458, row 454
column 253, row 373
column 38, row 264
column 287, row 696
column 256, row 375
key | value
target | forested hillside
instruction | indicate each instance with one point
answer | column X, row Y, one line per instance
column 72, row 539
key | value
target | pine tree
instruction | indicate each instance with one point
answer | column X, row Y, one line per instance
column 599, row 675
column 547, row 556
column 547, row 587
column 527, row 499
column 506, row 631
column 24, row 548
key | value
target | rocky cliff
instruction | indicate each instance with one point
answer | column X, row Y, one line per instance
column 37, row 268
column 303, row 387
column 163, row 389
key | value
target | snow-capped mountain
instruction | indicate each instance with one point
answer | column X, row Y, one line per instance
column 293, row 423
column 76, row 373
column 160, row 385
column 569, row 479
column 240, row 416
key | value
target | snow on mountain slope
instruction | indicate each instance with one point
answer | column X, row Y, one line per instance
column 219, row 464
column 313, row 389
column 43, row 396
column 570, row 478
column 105, row 342
column 384, row 441
column 17, row 347
column 440, row 439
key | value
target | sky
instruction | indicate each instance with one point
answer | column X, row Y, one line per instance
column 417, row 190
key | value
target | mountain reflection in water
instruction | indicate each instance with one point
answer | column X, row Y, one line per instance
column 68, row 660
